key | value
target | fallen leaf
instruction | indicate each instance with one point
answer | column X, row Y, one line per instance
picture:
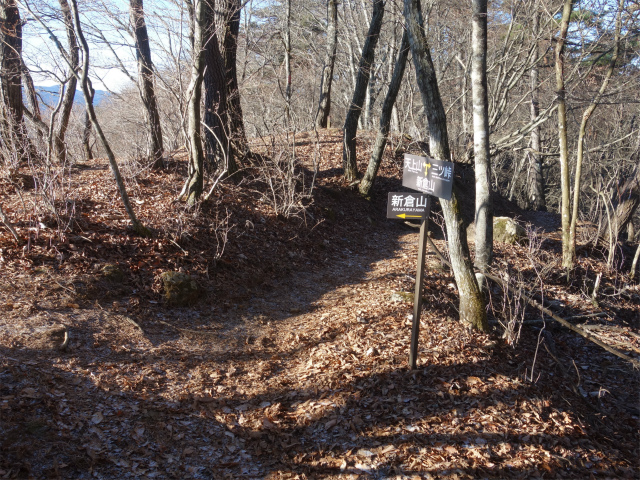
column 97, row 418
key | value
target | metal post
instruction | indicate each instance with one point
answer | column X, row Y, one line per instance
column 417, row 301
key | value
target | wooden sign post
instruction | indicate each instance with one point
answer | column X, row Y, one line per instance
column 432, row 177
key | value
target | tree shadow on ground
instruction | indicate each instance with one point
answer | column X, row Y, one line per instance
column 135, row 412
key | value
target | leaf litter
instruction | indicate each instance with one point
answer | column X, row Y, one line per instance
column 294, row 363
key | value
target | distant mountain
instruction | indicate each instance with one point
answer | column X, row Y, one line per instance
column 49, row 96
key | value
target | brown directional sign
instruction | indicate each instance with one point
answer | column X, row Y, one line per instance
column 428, row 175
column 407, row 206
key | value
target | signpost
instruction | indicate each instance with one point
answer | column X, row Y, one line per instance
column 408, row 206
column 432, row 177
column 428, row 175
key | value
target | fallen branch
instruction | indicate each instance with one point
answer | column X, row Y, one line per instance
column 65, row 343
column 549, row 313
column 8, row 224
column 188, row 330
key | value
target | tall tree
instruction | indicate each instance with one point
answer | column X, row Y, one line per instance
column 567, row 258
column 326, row 80
column 472, row 305
column 155, row 148
column 59, row 144
column 13, row 133
column 228, row 26
column 385, row 117
column 195, row 181
column 359, row 92
column 216, row 122
column 88, row 98
column 536, row 186
column 286, row 40
column 586, row 116
column 484, row 206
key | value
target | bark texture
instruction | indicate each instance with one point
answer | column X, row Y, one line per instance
column 216, row 143
column 155, row 148
column 12, row 128
column 355, row 107
column 324, row 105
column 472, row 305
column 484, row 206
column 228, row 28
column 385, row 117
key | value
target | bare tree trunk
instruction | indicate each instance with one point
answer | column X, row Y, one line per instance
column 88, row 98
column 565, row 184
column 155, row 148
column 195, row 182
column 228, row 27
column 30, row 94
column 536, row 187
column 484, row 205
column 472, row 304
column 324, row 106
column 13, row 132
column 385, row 117
column 216, row 122
column 287, row 60
column 59, row 145
column 583, row 128
column 359, row 92
column 86, row 133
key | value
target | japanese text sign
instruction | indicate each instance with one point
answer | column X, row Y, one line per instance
column 428, row 175
column 407, row 206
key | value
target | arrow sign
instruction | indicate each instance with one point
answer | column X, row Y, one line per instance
column 428, row 175
column 407, row 205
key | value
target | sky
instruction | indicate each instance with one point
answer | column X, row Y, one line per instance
column 46, row 64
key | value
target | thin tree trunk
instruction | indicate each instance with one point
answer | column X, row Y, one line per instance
column 472, row 304
column 326, row 80
column 385, row 117
column 31, row 95
column 59, row 145
column 583, row 128
column 86, row 133
column 32, row 102
column 484, row 206
column 565, row 184
column 88, row 98
column 216, row 122
column 195, row 182
column 359, row 92
column 155, row 147
column 536, row 187
column 287, row 60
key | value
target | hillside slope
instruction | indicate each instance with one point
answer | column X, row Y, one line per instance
column 293, row 362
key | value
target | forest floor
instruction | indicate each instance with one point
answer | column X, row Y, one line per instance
column 293, row 364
